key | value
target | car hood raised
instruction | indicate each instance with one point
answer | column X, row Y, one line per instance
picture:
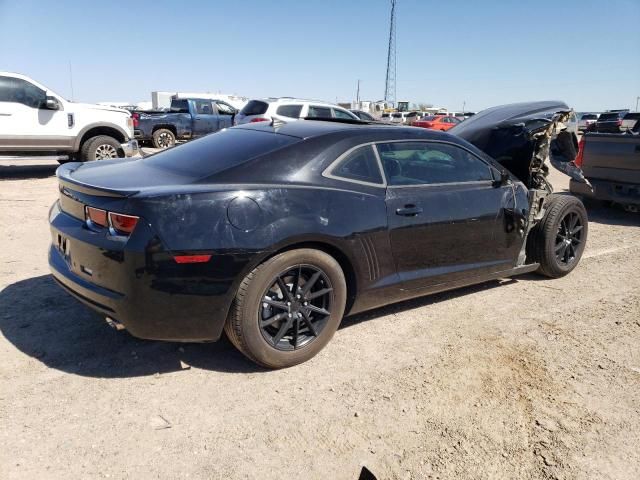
column 523, row 136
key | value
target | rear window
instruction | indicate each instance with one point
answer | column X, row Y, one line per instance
column 179, row 106
column 589, row 116
column 218, row 151
column 255, row 107
column 397, row 115
column 291, row 111
column 608, row 117
column 428, row 118
column 632, row 116
column 385, row 115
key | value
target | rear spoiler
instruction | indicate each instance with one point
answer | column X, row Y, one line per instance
column 64, row 174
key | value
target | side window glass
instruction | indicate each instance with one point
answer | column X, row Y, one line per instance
column 291, row 111
column 360, row 165
column 319, row 112
column 203, row 107
column 340, row 114
column 422, row 163
column 224, row 108
column 16, row 90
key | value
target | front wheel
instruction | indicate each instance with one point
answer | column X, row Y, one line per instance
column 558, row 241
column 288, row 308
column 101, row 147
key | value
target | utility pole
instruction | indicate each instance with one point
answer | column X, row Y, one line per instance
column 390, row 81
column 637, row 100
column 358, row 95
column 463, row 105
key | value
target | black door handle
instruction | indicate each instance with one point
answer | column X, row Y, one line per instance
column 409, row 210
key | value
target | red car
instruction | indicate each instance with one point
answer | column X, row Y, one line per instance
column 437, row 122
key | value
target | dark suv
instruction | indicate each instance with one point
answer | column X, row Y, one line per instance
column 609, row 122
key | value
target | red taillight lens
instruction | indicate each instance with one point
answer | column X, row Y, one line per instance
column 192, row 258
column 580, row 157
column 136, row 119
column 253, row 120
column 122, row 223
column 97, row 216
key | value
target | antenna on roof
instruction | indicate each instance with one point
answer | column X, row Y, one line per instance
column 276, row 122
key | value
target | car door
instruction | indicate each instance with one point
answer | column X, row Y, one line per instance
column 225, row 114
column 445, row 213
column 25, row 121
column 205, row 120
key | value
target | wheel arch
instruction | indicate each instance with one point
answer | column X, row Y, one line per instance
column 167, row 126
column 328, row 247
column 94, row 130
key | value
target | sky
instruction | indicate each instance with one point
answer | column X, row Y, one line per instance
column 449, row 53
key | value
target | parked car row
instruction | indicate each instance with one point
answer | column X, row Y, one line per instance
column 613, row 121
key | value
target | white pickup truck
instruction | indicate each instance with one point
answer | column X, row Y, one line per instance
column 36, row 122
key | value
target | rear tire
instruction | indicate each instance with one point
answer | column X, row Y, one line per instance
column 302, row 331
column 558, row 241
column 163, row 138
column 102, row 147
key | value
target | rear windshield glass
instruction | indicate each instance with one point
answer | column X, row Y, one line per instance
column 632, row 116
column 429, row 118
column 255, row 107
column 397, row 115
column 609, row 116
column 218, row 151
column 589, row 116
column 179, row 106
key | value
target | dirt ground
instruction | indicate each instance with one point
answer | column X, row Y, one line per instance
column 524, row 378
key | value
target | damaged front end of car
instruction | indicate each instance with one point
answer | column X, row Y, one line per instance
column 523, row 137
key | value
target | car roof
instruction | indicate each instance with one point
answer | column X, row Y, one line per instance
column 309, row 128
column 271, row 100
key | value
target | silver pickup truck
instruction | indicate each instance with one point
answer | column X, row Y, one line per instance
column 611, row 163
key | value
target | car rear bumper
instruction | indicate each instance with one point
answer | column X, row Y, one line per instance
column 607, row 190
column 147, row 292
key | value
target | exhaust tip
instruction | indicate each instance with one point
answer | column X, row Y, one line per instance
column 113, row 323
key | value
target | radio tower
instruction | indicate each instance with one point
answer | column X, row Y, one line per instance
column 390, row 82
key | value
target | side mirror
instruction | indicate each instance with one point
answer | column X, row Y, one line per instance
column 503, row 180
column 52, row 103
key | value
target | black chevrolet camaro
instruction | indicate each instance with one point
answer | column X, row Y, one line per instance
column 274, row 232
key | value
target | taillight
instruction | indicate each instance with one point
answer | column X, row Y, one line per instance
column 259, row 119
column 96, row 216
column 619, row 122
column 192, row 258
column 580, row 157
column 123, row 224
column 136, row 119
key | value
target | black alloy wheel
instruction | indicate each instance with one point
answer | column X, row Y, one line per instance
column 568, row 238
column 288, row 308
column 558, row 241
column 296, row 307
